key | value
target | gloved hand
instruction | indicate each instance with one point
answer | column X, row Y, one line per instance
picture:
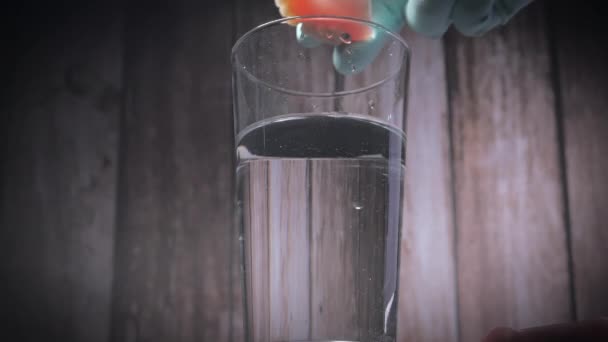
column 428, row 17
column 470, row 17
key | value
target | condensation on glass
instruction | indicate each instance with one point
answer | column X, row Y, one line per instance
column 320, row 169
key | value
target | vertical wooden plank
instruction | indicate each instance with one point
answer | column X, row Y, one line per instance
column 59, row 156
column 583, row 75
column 427, row 295
column 255, row 235
column 276, row 233
column 172, row 279
column 512, row 257
column 289, row 250
column 371, row 251
column 334, row 241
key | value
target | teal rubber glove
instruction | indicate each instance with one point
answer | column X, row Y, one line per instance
column 431, row 18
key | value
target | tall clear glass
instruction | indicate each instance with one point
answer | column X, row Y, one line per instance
column 320, row 168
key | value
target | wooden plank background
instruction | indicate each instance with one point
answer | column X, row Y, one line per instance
column 59, row 173
column 117, row 170
column 582, row 73
column 511, row 246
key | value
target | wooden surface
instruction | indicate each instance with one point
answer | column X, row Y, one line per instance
column 289, row 251
column 59, row 151
column 583, row 73
column 511, row 237
column 427, row 297
column 172, row 274
column 334, row 252
column 117, row 174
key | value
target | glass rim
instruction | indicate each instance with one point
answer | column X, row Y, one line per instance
column 397, row 37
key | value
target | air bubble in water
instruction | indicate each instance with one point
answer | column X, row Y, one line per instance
column 345, row 38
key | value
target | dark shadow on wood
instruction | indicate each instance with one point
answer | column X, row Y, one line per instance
column 172, row 279
column 60, row 118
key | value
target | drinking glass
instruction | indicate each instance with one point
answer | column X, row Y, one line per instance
column 320, row 173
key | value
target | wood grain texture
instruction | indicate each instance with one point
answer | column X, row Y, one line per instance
column 59, row 156
column 583, row 76
column 334, row 246
column 512, row 256
column 254, row 185
column 173, row 247
column 289, row 250
column 375, row 283
column 427, row 298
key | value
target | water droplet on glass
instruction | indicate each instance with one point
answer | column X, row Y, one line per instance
column 301, row 55
column 241, row 238
column 315, row 106
column 357, row 206
column 353, row 68
column 372, row 104
column 345, row 38
column 329, row 35
column 348, row 51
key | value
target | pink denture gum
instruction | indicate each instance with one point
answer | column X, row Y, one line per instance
column 327, row 28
